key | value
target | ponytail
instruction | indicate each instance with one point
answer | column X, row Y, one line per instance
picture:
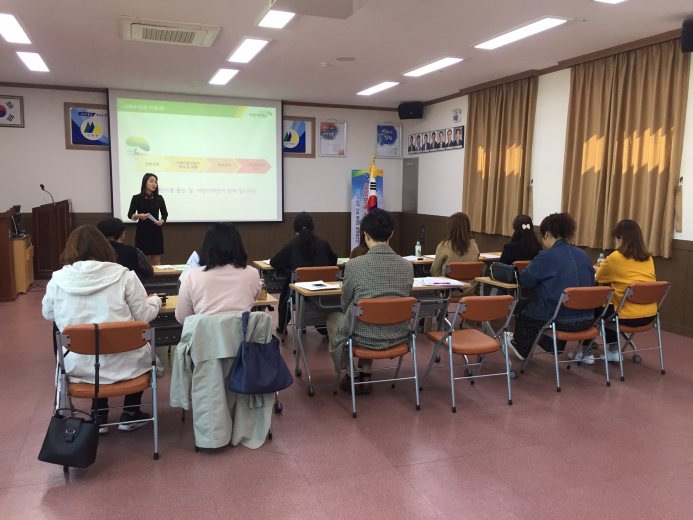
column 304, row 226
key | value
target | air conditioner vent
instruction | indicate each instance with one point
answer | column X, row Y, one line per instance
column 159, row 31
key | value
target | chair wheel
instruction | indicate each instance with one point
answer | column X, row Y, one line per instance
column 419, row 329
column 467, row 372
column 558, row 389
column 479, row 359
column 269, row 435
column 568, row 367
column 354, row 415
column 197, row 449
column 510, row 402
column 156, row 456
column 663, row 372
column 298, row 372
column 513, row 375
column 454, row 409
column 637, row 359
column 393, row 385
column 608, row 383
column 522, row 371
column 418, row 407
column 437, row 359
column 311, row 392
column 277, row 407
column 472, row 382
column 66, row 469
column 623, row 379
column 421, row 389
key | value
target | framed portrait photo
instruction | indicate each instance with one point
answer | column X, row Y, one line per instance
column 12, row 111
column 299, row 137
column 86, row 127
column 332, row 138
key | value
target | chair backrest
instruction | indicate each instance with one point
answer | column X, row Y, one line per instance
column 386, row 311
column 314, row 274
column 114, row 338
column 521, row 264
column 643, row 293
column 486, row 308
column 464, row 270
column 583, row 298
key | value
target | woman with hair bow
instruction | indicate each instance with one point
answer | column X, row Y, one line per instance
column 523, row 245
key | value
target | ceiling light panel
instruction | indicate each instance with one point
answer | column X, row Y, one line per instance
column 223, row 76
column 610, row 1
column 33, row 61
column 11, row 30
column 523, row 32
column 276, row 19
column 247, row 50
column 436, row 65
column 378, row 88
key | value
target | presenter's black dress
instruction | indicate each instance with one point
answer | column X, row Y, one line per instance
column 149, row 238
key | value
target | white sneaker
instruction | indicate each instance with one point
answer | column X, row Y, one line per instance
column 511, row 338
column 612, row 353
column 582, row 357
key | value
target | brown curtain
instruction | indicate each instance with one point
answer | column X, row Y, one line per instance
column 497, row 158
column 624, row 144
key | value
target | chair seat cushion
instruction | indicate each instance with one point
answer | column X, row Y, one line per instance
column 390, row 353
column 86, row 391
column 590, row 333
column 631, row 330
column 467, row 341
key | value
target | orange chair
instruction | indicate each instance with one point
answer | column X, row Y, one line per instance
column 306, row 274
column 473, row 342
column 382, row 311
column 521, row 264
column 463, row 271
column 579, row 298
column 639, row 293
column 113, row 338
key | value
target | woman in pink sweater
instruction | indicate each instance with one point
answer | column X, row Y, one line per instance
column 223, row 284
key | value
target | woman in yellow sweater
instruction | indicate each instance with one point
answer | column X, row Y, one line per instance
column 631, row 262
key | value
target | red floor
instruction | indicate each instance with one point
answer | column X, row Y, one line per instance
column 588, row 452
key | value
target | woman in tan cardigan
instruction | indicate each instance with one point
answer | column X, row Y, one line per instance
column 459, row 246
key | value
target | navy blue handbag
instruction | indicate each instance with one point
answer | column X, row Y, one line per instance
column 259, row 367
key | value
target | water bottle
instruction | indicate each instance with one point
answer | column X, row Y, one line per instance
column 263, row 291
column 417, row 249
column 601, row 259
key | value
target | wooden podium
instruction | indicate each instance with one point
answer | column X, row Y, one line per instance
column 52, row 224
column 8, row 289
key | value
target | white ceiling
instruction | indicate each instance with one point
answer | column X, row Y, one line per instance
column 79, row 42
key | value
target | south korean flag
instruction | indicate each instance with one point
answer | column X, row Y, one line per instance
column 11, row 111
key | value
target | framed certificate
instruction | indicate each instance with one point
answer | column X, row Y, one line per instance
column 332, row 138
column 388, row 141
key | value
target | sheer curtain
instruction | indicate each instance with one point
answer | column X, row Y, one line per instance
column 624, row 144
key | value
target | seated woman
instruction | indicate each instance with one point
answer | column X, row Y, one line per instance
column 306, row 250
column 360, row 249
column 559, row 266
column 92, row 288
column 523, row 244
column 222, row 284
column 631, row 262
column 459, row 246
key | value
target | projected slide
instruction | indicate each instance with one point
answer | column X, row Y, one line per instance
column 215, row 162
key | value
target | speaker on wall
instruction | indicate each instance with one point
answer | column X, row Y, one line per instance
column 687, row 35
column 411, row 110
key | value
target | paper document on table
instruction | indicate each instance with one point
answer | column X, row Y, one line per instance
column 149, row 216
column 180, row 267
column 164, row 266
column 193, row 261
column 488, row 255
column 432, row 257
column 267, row 261
column 342, row 260
column 432, row 280
column 316, row 286
column 411, row 258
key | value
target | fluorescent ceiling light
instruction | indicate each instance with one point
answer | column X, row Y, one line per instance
column 33, row 61
column 247, row 50
column 523, row 32
column 436, row 65
column 11, row 30
column 610, row 1
column 377, row 88
column 223, row 76
column 276, row 19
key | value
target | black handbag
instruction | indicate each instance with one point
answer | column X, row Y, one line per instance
column 259, row 367
column 73, row 441
column 504, row 273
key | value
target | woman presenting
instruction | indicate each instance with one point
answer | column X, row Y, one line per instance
column 149, row 237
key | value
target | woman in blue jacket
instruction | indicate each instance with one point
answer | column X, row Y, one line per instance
column 559, row 266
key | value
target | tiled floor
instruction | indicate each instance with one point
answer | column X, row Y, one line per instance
column 588, row 452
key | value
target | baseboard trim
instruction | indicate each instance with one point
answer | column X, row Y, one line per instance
column 677, row 329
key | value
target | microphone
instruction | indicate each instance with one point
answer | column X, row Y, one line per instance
column 49, row 193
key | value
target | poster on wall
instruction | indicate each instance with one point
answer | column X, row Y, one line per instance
column 332, row 138
column 436, row 140
column 12, row 111
column 299, row 137
column 360, row 180
column 86, row 127
column 388, row 141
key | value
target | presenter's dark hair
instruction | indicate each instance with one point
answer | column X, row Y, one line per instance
column 526, row 235
column 304, row 226
column 560, row 225
column 223, row 246
column 459, row 232
column 143, row 189
column 379, row 224
column 111, row 227
column 632, row 242
column 87, row 243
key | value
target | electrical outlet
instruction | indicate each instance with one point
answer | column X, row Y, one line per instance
column 422, row 238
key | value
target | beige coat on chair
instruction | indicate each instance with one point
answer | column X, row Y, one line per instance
column 201, row 369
